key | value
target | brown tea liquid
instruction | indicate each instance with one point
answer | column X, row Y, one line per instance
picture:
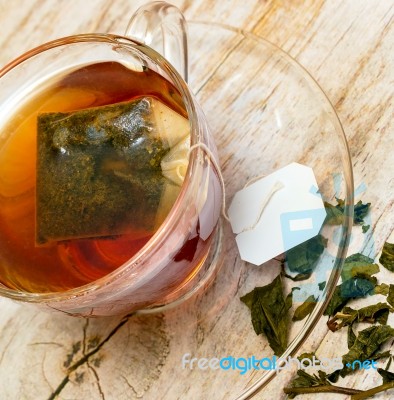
column 63, row 265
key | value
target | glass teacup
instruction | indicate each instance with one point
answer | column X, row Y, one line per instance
column 173, row 262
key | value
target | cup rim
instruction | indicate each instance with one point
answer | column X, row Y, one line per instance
column 186, row 188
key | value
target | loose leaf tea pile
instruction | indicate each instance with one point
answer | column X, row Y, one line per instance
column 99, row 170
column 365, row 346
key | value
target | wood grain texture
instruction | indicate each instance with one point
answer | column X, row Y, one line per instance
column 347, row 46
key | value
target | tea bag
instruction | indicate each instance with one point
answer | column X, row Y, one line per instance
column 99, row 170
column 174, row 163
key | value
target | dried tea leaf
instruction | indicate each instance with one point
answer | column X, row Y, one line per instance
column 383, row 289
column 390, row 296
column 357, row 282
column 304, row 380
column 360, row 210
column 365, row 228
column 358, row 287
column 365, row 347
column 309, row 356
column 335, row 214
column 334, row 376
column 374, row 313
column 354, row 288
column 367, row 344
column 269, row 313
column 351, row 337
column 301, row 259
column 380, row 356
column 289, row 298
column 99, row 169
column 298, row 277
column 387, row 257
column 305, row 308
column 358, row 265
column 387, row 367
column 248, row 299
column 386, row 375
column 336, row 302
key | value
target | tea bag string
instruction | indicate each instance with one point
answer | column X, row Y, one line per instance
column 275, row 188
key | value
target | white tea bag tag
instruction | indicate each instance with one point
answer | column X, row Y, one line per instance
column 276, row 213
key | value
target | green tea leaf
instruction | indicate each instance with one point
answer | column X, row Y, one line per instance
column 390, row 296
column 358, row 265
column 337, row 302
column 322, row 285
column 351, row 337
column 379, row 356
column 351, row 367
column 357, row 282
column 387, row 257
column 353, row 288
column 386, row 375
column 374, row 313
column 302, row 258
column 248, row 299
column 289, row 298
column 366, row 228
column 335, row 214
column 334, row 376
column 383, row 289
column 387, row 367
column 368, row 343
column 304, row 379
column 360, row 210
column 309, row 356
column 365, row 347
column 358, row 287
column 269, row 313
column 305, row 308
column 298, row 277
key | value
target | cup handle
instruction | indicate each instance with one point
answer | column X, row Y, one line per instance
column 162, row 27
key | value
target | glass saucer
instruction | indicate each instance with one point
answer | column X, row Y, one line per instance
column 265, row 112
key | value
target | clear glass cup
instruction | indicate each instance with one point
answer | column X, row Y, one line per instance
column 172, row 263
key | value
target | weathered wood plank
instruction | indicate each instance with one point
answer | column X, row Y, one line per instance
column 347, row 46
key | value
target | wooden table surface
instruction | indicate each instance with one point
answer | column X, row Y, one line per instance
column 347, row 46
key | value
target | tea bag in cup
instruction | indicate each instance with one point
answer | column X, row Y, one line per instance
column 108, row 170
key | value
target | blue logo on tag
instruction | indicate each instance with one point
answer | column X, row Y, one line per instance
column 299, row 226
